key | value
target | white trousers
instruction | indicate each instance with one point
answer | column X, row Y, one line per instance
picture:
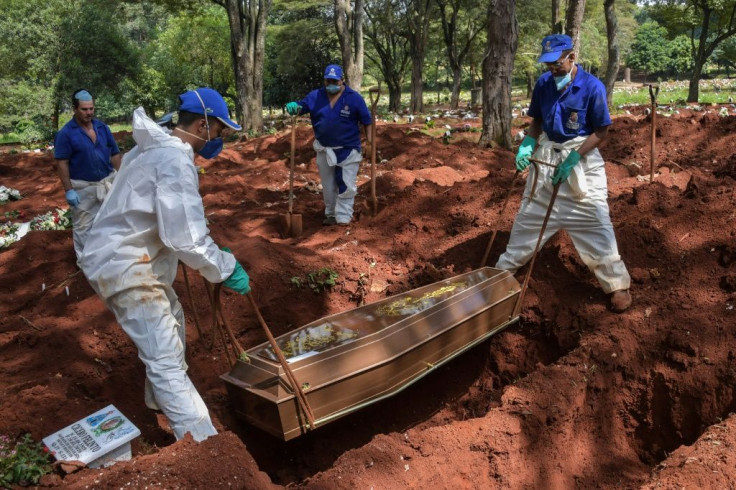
column 586, row 219
column 91, row 195
column 153, row 318
column 339, row 205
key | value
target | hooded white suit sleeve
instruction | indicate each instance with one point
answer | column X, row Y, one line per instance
column 182, row 226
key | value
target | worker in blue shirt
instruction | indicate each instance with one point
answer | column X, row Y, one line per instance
column 569, row 120
column 87, row 158
column 337, row 111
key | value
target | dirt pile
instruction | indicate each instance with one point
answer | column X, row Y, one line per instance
column 573, row 395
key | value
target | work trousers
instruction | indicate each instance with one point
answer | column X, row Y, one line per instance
column 585, row 218
column 153, row 318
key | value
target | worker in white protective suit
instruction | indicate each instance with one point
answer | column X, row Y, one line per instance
column 570, row 119
column 152, row 218
column 87, row 158
column 336, row 111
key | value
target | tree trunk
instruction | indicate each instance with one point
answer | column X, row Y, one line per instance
column 349, row 26
column 417, row 17
column 56, row 109
column 529, row 84
column 693, row 90
column 498, row 64
column 556, row 18
column 394, row 95
column 389, row 44
column 457, row 78
column 416, row 104
column 573, row 22
column 613, row 53
column 248, row 46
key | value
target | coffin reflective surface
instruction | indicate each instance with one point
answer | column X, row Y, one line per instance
column 351, row 359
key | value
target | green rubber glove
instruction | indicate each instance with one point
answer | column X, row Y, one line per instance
column 238, row 280
column 293, row 108
column 525, row 151
column 563, row 170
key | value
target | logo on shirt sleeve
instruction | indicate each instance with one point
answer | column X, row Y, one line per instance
column 572, row 121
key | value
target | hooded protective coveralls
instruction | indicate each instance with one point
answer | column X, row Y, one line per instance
column 152, row 218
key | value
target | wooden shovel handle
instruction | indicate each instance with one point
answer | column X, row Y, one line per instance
column 301, row 399
column 517, row 308
column 653, row 92
column 495, row 230
column 292, row 163
column 374, row 103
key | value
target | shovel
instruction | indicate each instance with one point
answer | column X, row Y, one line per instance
column 374, row 93
column 301, row 399
column 555, row 189
column 653, row 95
column 500, row 213
column 291, row 224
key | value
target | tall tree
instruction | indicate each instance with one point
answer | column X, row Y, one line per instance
column 349, row 26
column 416, row 31
column 708, row 23
column 574, row 21
column 60, row 45
column 391, row 48
column 556, row 18
column 462, row 21
column 613, row 51
column 247, row 19
column 498, row 65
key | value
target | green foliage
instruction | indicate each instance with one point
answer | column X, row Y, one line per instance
column 22, row 463
column 23, row 102
column 297, row 54
column 321, row 279
column 650, row 51
column 680, row 55
column 30, row 136
column 192, row 51
column 296, row 281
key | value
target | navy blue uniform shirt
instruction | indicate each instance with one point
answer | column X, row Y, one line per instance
column 87, row 161
column 577, row 111
column 338, row 125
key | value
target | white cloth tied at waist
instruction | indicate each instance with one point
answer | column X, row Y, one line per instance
column 328, row 150
column 554, row 154
column 86, row 189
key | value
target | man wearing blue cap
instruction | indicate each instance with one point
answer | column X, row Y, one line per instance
column 337, row 111
column 152, row 219
column 569, row 120
column 87, row 158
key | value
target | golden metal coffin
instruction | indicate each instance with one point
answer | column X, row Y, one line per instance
column 349, row 360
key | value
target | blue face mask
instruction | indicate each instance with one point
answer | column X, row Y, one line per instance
column 563, row 81
column 332, row 89
column 211, row 149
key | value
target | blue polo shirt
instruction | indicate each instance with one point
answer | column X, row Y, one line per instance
column 577, row 111
column 338, row 125
column 87, row 161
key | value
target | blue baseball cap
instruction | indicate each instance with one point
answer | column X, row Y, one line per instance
column 333, row 72
column 208, row 102
column 553, row 46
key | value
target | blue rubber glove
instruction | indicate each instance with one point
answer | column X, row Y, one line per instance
column 525, row 151
column 293, row 108
column 563, row 170
column 72, row 198
column 238, row 280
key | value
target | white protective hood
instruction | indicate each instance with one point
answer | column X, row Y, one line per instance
column 152, row 217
